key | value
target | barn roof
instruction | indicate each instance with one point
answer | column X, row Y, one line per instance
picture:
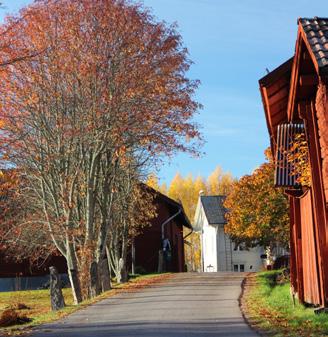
column 174, row 205
column 296, row 80
column 316, row 31
column 214, row 209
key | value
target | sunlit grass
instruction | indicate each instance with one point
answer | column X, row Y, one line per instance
column 271, row 307
column 39, row 307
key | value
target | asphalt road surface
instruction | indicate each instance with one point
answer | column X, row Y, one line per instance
column 189, row 304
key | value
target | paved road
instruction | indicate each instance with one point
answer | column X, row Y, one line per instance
column 189, row 304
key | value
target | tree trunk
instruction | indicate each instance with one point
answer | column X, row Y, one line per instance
column 95, row 288
column 73, row 274
column 108, row 261
column 123, row 275
column 123, row 266
column 269, row 258
column 75, row 284
column 104, row 274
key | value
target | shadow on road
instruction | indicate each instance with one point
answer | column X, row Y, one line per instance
column 232, row 327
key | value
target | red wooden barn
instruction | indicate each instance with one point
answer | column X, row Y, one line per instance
column 295, row 99
column 148, row 244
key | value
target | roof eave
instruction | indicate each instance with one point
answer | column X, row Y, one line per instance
column 294, row 74
column 267, row 81
column 321, row 71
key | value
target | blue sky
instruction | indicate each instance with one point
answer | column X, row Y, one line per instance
column 231, row 44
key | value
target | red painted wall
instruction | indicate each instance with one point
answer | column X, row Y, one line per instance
column 148, row 244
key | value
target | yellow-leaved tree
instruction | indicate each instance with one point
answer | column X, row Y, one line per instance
column 219, row 182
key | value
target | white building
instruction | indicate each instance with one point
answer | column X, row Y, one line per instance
column 219, row 253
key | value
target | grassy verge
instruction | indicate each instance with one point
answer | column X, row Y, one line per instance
column 38, row 302
column 268, row 306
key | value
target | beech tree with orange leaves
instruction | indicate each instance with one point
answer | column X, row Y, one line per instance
column 109, row 86
column 258, row 212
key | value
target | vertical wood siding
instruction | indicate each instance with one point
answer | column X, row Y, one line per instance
column 318, row 197
column 309, row 258
column 322, row 116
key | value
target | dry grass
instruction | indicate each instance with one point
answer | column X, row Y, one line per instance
column 35, row 304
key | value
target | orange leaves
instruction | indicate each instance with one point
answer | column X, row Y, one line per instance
column 106, row 94
column 258, row 212
column 33, row 99
column 299, row 158
column 89, row 44
column 9, row 201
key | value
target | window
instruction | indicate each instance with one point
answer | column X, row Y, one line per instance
column 239, row 247
column 284, row 168
column 239, row 268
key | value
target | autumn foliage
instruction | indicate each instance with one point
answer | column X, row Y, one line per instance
column 299, row 159
column 257, row 211
column 9, row 203
column 104, row 95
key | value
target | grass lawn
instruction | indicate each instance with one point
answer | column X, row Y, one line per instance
column 38, row 302
column 268, row 306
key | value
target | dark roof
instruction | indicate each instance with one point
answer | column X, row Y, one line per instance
column 214, row 209
column 316, row 31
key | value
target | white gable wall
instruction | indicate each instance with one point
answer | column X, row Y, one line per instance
column 208, row 239
column 209, row 247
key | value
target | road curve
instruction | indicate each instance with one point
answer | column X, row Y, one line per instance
column 187, row 305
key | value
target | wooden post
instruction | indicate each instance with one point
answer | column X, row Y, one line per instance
column 56, row 295
column 160, row 261
column 133, row 257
